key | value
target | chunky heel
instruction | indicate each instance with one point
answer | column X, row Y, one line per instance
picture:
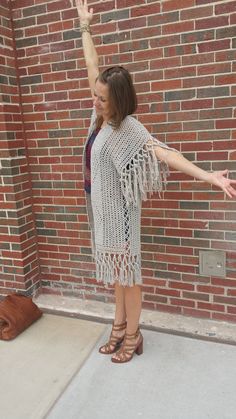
column 127, row 350
column 139, row 349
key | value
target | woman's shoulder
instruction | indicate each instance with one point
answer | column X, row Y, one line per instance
column 132, row 132
column 133, row 127
column 132, row 122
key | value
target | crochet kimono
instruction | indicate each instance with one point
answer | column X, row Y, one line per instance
column 124, row 169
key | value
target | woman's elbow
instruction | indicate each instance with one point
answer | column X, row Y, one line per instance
column 162, row 153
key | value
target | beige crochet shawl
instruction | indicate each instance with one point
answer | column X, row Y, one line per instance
column 124, row 169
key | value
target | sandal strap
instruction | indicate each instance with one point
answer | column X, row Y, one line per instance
column 114, row 340
column 119, row 327
column 133, row 335
column 127, row 349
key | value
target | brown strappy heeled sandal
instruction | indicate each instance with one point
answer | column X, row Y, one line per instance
column 114, row 341
column 127, row 350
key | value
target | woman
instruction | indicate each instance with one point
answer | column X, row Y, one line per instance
column 123, row 162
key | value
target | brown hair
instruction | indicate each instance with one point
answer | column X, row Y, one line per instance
column 122, row 95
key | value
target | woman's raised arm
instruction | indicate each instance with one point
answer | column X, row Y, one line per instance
column 90, row 54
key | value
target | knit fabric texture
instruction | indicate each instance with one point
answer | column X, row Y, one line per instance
column 124, row 171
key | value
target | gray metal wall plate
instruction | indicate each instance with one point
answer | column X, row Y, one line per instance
column 212, row 263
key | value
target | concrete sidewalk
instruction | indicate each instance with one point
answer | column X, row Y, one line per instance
column 53, row 371
column 175, row 378
column 38, row 365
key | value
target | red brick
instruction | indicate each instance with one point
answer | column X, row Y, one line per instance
column 169, row 309
column 181, row 268
column 232, row 155
column 225, row 79
column 128, row 3
column 58, row 5
column 132, row 23
column 212, row 22
column 214, row 68
column 178, row 232
column 233, row 19
column 148, row 54
column 215, row 155
column 211, row 307
column 181, row 302
column 227, row 123
column 224, row 245
column 196, row 313
column 172, row 5
column 178, row 27
column 231, row 310
column 62, row 101
column 225, row 55
column 181, row 286
column 145, row 33
column 190, row 260
column 210, row 289
column 196, row 13
column 227, row 7
column 198, row 81
column 146, row 10
column 164, row 85
column 214, row 45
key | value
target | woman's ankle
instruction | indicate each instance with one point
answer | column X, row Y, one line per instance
column 132, row 331
column 119, row 321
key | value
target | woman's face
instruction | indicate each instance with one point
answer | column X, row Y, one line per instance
column 101, row 100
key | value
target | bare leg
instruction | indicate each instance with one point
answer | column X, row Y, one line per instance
column 128, row 306
column 120, row 314
column 119, row 321
column 133, row 306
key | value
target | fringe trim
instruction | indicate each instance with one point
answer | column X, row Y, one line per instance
column 145, row 174
column 123, row 268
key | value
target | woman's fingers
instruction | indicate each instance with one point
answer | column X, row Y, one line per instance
column 223, row 182
column 229, row 189
column 233, row 190
column 85, row 5
column 231, row 193
column 82, row 6
column 84, row 13
column 78, row 4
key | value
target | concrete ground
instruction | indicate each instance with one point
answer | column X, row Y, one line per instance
column 53, row 369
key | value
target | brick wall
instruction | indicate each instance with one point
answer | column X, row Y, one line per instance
column 19, row 267
column 181, row 54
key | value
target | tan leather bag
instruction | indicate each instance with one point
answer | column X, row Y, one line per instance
column 17, row 312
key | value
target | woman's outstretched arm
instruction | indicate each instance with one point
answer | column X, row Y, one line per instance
column 179, row 162
column 90, row 53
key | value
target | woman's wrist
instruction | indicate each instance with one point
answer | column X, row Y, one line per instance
column 84, row 22
column 83, row 26
column 210, row 178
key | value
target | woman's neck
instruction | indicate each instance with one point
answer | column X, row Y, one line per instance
column 104, row 124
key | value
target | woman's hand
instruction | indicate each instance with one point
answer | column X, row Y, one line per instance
column 221, row 180
column 85, row 14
